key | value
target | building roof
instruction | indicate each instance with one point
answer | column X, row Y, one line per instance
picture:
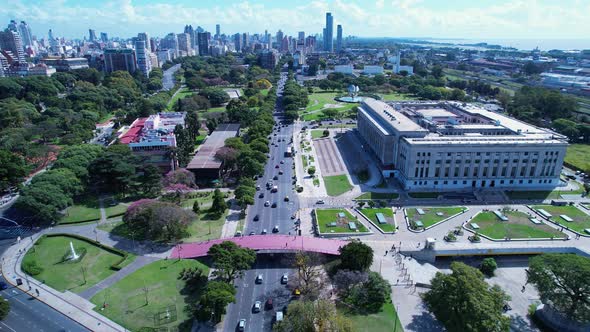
column 391, row 117
column 205, row 157
column 132, row 135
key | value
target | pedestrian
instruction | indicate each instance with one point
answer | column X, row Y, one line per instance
column 286, row 244
column 386, row 252
column 523, row 289
column 397, row 282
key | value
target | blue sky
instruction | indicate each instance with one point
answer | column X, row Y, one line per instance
column 474, row 19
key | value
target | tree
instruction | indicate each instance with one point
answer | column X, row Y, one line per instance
column 305, row 316
column 561, row 280
column 369, row 296
column 437, row 71
column 245, row 195
column 196, row 208
column 192, row 125
column 114, row 171
column 219, row 204
column 311, row 171
column 150, row 182
column 356, row 256
column 230, row 260
column 4, row 308
column 488, row 266
column 215, row 298
column 13, row 169
column 157, row 220
column 463, row 301
column 344, row 280
column 216, row 96
column 309, row 279
column 180, row 176
column 326, row 133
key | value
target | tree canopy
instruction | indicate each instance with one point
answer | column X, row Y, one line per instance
column 230, row 260
column 356, row 256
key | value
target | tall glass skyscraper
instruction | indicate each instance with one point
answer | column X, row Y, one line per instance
column 329, row 34
column 338, row 38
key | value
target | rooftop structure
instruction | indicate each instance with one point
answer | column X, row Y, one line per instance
column 449, row 145
column 204, row 164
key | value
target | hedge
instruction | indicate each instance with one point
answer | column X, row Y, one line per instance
column 116, row 266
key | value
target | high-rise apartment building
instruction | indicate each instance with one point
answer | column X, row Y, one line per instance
column 184, row 43
column 279, row 38
column 10, row 41
column 329, row 33
column 189, row 29
column 245, row 40
column 217, row 31
column 119, row 59
column 339, row 38
column 203, row 42
column 153, row 45
column 269, row 59
column 143, row 36
column 301, row 37
column 238, row 42
column 142, row 56
column 92, row 35
column 24, row 30
column 104, row 37
column 170, row 42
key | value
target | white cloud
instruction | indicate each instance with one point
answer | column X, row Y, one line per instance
column 395, row 18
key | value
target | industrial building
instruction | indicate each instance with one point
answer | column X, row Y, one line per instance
column 435, row 145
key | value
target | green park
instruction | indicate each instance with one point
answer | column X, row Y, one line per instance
column 157, row 296
column 50, row 261
column 567, row 216
column 427, row 216
column 516, row 225
column 338, row 221
column 385, row 222
column 337, row 184
column 88, row 209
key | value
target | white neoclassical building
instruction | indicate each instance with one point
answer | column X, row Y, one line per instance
column 432, row 145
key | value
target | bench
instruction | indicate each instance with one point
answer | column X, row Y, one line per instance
column 474, row 226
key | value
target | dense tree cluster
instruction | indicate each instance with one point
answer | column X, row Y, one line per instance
column 159, row 221
column 320, row 315
column 294, row 98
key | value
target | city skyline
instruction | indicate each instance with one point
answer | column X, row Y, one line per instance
column 398, row 18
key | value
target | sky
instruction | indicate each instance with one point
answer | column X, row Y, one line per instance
column 470, row 19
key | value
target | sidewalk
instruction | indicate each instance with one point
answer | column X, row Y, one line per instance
column 69, row 304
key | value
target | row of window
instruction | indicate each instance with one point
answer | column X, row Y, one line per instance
column 423, row 172
column 420, row 183
column 458, row 154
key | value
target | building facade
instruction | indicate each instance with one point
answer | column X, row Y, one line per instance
column 66, row 64
column 203, row 43
column 453, row 146
column 119, row 59
column 143, row 57
column 10, row 41
column 329, row 33
column 339, row 38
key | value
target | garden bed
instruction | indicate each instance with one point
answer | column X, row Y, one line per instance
column 336, row 221
column 518, row 226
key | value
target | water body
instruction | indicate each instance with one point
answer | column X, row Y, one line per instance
column 524, row 44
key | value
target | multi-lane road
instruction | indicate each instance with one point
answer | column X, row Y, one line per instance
column 271, row 267
column 29, row 314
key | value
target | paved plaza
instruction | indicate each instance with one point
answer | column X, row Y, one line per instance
column 329, row 158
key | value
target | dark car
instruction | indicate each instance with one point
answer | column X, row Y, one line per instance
column 268, row 305
column 256, row 218
column 261, row 195
column 276, row 177
column 3, row 285
column 274, row 205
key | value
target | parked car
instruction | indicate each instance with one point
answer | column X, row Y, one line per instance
column 274, row 205
column 284, row 279
column 263, row 231
column 252, row 233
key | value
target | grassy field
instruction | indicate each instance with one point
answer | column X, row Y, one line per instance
column 397, row 96
column 382, row 321
column 207, row 227
column 80, row 212
column 371, row 195
column 577, row 155
column 581, row 219
column 184, row 92
column 518, row 226
column 318, row 100
column 126, row 300
column 542, row 195
column 337, row 184
column 327, row 216
column 387, row 213
column 94, row 265
column 430, row 216
column 317, row 134
column 424, row 195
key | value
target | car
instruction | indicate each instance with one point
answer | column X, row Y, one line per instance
column 256, row 217
column 275, row 229
column 257, row 187
column 267, row 203
column 268, row 305
column 252, row 233
column 263, row 231
column 257, row 306
column 258, row 279
column 282, row 161
column 296, row 292
column 242, row 325
column 293, row 216
column 238, row 234
column 277, row 166
column 320, row 201
column 3, row 285
column 274, row 205
column 286, row 198
column 280, row 172
column 284, row 279
column 276, row 177
column 275, row 134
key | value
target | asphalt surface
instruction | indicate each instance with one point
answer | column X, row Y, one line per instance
column 28, row 314
column 271, row 267
column 168, row 78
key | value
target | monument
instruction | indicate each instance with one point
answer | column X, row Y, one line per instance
column 73, row 255
column 353, row 91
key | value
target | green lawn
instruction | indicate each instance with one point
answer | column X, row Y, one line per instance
column 80, row 213
column 126, row 300
column 387, row 213
column 371, row 195
column 397, row 96
column 337, row 184
column 317, row 134
column 207, row 227
column 577, row 155
column 216, row 109
column 424, row 195
column 116, row 210
column 430, row 216
column 542, row 195
column 581, row 219
column 184, row 92
column 317, row 100
column 64, row 276
column 382, row 321
column 327, row 216
column 518, row 226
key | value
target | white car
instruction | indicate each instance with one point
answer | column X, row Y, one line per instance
column 267, row 203
column 320, row 201
column 284, row 279
column 258, row 279
column 257, row 306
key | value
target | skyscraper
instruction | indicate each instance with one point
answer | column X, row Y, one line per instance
column 92, row 35
column 184, row 43
column 217, row 31
column 189, row 29
column 24, row 31
column 104, row 37
column 238, row 42
column 301, row 37
column 53, row 42
column 279, row 38
column 142, row 56
column 203, row 42
column 245, row 40
column 10, row 41
column 119, row 59
column 170, row 42
column 329, row 33
column 339, row 38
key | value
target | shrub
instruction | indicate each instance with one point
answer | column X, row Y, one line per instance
column 488, row 266
column 31, row 267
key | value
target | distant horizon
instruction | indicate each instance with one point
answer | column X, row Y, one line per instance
column 484, row 19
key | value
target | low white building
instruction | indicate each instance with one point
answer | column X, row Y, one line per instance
column 344, row 69
column 373, row 70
